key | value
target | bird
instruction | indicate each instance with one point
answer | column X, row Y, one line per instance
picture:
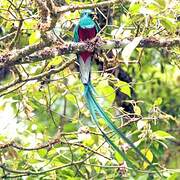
column 86, row 30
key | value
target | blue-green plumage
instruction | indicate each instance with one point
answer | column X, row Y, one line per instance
column 85, row 30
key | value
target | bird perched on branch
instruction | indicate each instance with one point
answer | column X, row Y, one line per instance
column 85, row 31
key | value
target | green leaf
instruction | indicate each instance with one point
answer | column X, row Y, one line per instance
column 70, row 127
column 2, row 107
column 174, row 176
column 2, row 138
column 149, row 156
column 68, row 1
column 168, row 23
column 118, row 157
column 137, row 110
column 143, row 177
column 107, row 92
column 135, row 8
column 71, row 98
column 34, row 37
column 158, row 101
column 55, row 61
column 30, row 23
column 127, row 51
column 124, row 87
column 161, row 3
column 89, row 141
column 42, row 152
column 162, row 135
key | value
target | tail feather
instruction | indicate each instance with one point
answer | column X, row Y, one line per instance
column 94, row 108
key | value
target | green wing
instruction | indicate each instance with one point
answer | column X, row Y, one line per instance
column 76, row 36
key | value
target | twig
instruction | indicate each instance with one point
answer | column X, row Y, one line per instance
column 37, row 77
column 26, row 173
column 8, row 36
column 49, row 145
column 64, row 9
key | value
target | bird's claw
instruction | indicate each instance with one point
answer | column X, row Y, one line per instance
column 93, row 44
column 89, row 45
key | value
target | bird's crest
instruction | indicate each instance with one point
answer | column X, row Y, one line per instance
column 87, row 12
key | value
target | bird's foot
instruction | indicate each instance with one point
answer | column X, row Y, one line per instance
column 89, row 45
column 98, row 41
column 93, row 44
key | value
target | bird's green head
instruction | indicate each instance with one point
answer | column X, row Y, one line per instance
column 87, row 12
column 86, row 19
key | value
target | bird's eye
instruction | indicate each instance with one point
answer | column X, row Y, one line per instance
column 91, row 15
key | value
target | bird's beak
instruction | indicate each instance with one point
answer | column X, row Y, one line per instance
column 93, row 13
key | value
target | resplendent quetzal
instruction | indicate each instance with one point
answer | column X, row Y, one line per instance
column 85, row 31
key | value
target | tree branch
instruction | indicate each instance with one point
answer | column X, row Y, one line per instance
column 11, row 58
column 26, row 173
column 64, row 9
column 23, row 55
column 49, row 145
column 37, row 77
column 7, row 36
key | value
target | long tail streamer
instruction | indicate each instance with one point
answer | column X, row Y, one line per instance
column 94, row 109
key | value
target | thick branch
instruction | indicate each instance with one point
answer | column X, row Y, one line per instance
column 22, row 56
column 11, row 58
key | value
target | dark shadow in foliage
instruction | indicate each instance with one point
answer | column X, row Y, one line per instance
column 118, row 72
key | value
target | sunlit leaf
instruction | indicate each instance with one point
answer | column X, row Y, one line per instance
column 141, row 124
column 174, row 176
column 135, row 8
column 35, row 37
column 107, row 92
column 158, row 101
column 124, row 87
column 162, row 135
column 127, row 51
column 71, row 98
column 137, row 110
column 68, row 127
column 42, row 152
column 161, row 3
column 119, row 158
column 55, row 61
column 149, row 156
column 168, row 23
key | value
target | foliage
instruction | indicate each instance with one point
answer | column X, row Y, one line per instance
column 46, row 130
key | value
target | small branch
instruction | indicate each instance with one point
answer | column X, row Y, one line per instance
column 49, row 145
column 87, row 148
column 57, row 141
column 37, row 77
column 14, row 41
column 64, row 9
column 26, row 173
column 17, row 35
column 8, row 36
column 14, row 145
